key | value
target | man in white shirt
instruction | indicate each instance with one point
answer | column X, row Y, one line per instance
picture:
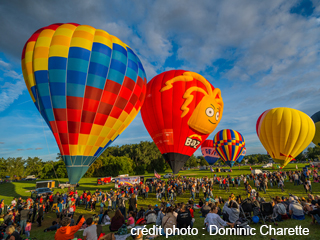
column 90, row 233
column 213, row 221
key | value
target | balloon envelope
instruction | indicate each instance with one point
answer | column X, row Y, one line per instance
column 229, row 144
column 284, row 133
column 88, row 87
column 208, row 152
column 316, row 119
column 181, row 109
column 240, row 158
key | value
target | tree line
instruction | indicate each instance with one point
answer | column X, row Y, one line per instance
column 134, row 159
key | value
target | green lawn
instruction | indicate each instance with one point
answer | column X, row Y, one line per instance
column 17, row 189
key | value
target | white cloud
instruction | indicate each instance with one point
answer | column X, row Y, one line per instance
column 10, row 92
column 4, row 64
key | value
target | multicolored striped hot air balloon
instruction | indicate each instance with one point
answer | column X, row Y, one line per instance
column 180, row 111
column 208, row 152
column 316, row 119
column 242, row 155
column 285, row 133
column 88, row 86
column 229, row 144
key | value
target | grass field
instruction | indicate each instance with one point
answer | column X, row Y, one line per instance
column 21, row 189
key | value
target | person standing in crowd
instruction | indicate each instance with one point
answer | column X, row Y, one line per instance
column 114, row 202
column 102, row 205
column 93, row 202
column 40, row 215
column 192, row 191
column 122, row 204
column 227, row 185
column 147, row 191
column 59, row 209
column 35, row 210
column 23, row 218
column 281, row 185
column 55, row 201
column 133, row 203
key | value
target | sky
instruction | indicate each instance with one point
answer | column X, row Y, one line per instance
column 261, row 54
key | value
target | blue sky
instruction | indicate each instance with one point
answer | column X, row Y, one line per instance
column 261, row 54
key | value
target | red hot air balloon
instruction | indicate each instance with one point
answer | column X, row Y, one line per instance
column 209, row 153
column 181, row 109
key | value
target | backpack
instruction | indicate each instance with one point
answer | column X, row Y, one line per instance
column 123, row 230
column 281, row 209
column 141, row 221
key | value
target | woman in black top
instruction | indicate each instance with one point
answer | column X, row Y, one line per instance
column 132, row 203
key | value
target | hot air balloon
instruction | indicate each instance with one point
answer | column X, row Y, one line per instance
column 284, row 133
column 88, row 87
column 181, row 109
column 229, row 144
column 242, row 155
column 316, row 119
column 208, row 152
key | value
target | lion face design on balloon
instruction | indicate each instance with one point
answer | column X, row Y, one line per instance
column 207, row 114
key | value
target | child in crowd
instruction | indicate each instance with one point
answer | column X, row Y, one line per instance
column 130, row 222
column 28, row 228
column 109, row 202
column 102, row 205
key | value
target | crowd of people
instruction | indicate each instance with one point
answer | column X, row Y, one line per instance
column 17, row 218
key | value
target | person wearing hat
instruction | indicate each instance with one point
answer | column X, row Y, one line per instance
column 157, row 209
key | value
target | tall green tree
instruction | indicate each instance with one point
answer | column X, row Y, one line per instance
column 34, row 166
column 15, row 167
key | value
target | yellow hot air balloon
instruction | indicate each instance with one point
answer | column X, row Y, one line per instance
column 316, row 118
column 285, row 133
